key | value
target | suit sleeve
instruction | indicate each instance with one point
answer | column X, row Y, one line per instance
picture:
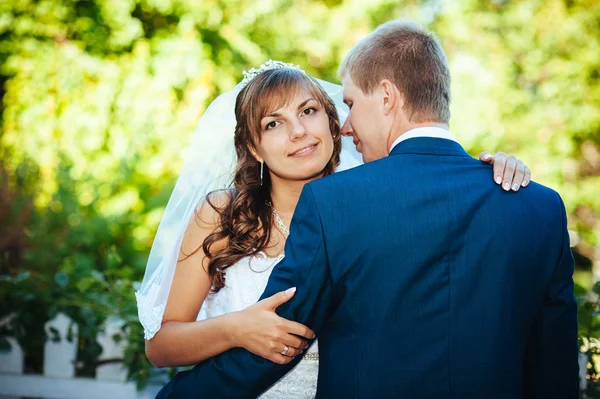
column 240, row 374
column 551, row 369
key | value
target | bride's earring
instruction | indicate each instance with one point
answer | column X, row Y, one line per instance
column 261, row 172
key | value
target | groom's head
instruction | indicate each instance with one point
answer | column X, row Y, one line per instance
column 395, row 79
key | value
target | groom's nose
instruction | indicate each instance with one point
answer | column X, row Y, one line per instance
column 347, row 130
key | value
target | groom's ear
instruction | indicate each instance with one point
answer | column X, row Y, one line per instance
column 391, row 97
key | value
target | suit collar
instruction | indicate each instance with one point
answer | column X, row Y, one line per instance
column 425, row 131
column 429, row 146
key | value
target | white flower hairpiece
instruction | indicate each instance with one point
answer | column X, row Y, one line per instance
column 267, row 66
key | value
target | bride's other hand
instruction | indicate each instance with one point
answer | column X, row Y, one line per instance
column 509, row 170
column 261, row 331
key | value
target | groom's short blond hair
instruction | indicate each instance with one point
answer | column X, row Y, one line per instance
column 411, row 58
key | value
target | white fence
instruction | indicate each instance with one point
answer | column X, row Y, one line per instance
column 59, row 381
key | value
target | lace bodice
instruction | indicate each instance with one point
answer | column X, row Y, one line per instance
column 244, row 284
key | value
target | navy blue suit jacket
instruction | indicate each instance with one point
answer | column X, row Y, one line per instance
column 421, row 279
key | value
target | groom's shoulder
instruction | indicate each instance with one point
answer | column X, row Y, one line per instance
column 348, row 180
column 540, row 189
column 540, row 192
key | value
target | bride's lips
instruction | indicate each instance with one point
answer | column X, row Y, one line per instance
column 304, row 151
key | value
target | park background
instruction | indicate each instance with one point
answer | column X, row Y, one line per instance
column 100, row 97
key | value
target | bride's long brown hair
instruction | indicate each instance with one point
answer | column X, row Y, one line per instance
column 245, row 219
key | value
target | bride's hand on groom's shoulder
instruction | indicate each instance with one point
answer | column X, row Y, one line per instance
column 509, row 171
column 261, row 331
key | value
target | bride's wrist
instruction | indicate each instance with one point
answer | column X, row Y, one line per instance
column 233, row 331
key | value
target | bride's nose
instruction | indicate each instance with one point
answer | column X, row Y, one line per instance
column 298, row 130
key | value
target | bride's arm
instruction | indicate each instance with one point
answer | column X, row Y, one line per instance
column 183, row 341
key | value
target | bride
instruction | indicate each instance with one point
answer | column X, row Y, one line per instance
column 217, row 244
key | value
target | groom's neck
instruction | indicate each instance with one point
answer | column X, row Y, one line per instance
column 402, row 128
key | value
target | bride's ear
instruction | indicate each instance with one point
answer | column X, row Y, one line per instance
column 390, row 96
column 254, row 153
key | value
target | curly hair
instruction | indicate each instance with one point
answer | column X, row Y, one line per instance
column 245, row 219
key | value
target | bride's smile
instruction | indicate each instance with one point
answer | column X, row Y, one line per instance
column 305, row 151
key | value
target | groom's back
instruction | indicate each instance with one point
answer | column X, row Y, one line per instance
column 439, row 276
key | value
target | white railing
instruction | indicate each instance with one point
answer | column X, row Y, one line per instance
column 58, row 380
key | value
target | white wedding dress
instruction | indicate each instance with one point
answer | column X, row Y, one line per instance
column 244, row 284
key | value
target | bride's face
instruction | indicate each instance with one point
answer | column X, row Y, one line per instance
column 296, row 142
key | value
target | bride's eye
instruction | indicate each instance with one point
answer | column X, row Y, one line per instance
column 271, row 125
column 309, row 111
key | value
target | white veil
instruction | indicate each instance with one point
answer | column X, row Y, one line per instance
column 209, row 165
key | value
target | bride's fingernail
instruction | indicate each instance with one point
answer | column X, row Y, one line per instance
column 498, row 180
column 290, row 291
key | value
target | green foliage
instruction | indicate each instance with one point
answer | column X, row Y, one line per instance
column 589, row 337
column 100, row 97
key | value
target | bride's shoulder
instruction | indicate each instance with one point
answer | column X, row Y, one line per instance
column 210, row 208
column 215, row 203
column 206, row 220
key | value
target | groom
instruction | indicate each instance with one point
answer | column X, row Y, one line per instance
column 419, row 277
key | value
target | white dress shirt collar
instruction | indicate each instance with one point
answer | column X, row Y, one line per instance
column 429, row 131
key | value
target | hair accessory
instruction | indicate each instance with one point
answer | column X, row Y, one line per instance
column 267, row 66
